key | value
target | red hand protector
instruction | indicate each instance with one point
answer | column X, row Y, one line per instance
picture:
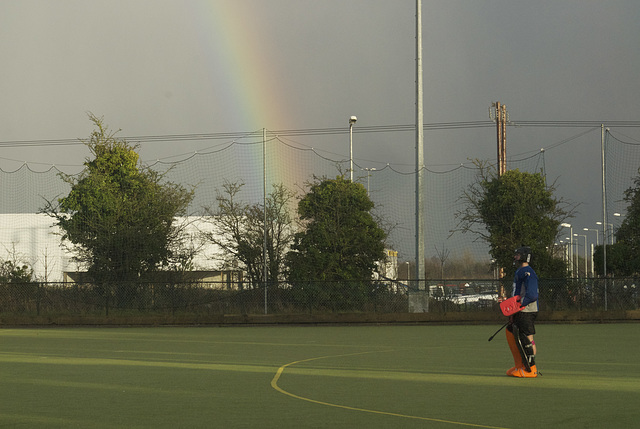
column 510, row 306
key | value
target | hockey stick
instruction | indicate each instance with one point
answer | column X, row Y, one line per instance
column 503, row 326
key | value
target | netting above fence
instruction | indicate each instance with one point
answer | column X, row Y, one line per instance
column 259, row 164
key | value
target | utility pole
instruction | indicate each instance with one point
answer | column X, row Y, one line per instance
column 501, row 131
column 265, row 271
column 500, row 119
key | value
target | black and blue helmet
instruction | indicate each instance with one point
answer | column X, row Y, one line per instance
column 522, row 254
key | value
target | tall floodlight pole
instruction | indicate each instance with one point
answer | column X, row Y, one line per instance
column 604, row 215
column 352, row 121
column 419, row 149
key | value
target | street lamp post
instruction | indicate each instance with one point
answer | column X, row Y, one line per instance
column 593, row 272
column 352, row 121
column 613, row 228
column 369, row 170
column 597, row 234
column 568, row 225
column 565, row 251
column 606, row 233
column 585, row 252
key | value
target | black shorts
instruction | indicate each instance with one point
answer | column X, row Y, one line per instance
column 525, row 322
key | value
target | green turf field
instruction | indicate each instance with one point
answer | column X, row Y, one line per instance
column 316, row 377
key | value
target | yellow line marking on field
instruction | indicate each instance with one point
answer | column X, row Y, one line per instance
column 60, row 360
column 276, row 378
column 551, row 381
column 22, row 420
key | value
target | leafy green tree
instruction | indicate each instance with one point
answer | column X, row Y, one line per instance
column 512, row 210
column 119, row 218
column 340, row 241
column 623, row 257
column 620, row 260
column 238, row 229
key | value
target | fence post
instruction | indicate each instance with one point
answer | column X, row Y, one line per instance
column 38, row 291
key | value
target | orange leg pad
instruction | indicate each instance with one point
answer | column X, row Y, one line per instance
column 511, row 340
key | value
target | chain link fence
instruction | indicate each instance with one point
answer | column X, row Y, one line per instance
column 206, row 298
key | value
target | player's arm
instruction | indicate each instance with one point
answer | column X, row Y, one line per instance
column 531, row 290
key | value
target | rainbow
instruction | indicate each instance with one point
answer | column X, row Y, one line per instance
column 244, row 78
column 247, row 84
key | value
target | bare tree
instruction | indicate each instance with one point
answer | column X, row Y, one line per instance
column 443, row 255
column 246, row 232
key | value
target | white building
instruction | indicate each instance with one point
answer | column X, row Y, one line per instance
column 33, row 239
column 29, row 238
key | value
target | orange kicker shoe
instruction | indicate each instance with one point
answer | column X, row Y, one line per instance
column 522, row 373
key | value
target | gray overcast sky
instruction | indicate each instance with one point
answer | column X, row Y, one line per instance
column 154, row 67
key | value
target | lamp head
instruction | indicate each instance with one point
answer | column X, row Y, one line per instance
column 352, row 120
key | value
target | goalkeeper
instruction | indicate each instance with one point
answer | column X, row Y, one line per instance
column 521, row 328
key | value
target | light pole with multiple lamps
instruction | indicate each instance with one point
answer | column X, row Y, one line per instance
column 352, row 121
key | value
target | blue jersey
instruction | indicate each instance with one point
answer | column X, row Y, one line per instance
column 525, row 284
